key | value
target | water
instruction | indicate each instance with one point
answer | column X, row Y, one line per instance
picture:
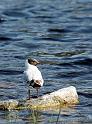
column 59, row 34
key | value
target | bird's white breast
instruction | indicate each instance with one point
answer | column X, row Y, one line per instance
column 33, row 73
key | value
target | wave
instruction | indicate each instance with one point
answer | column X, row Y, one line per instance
column 85, row 62
column 87, row 95
column 10, row 72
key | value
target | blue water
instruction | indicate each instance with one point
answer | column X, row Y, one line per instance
column 59, row 34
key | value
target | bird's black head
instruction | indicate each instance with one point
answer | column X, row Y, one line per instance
column 33, row 61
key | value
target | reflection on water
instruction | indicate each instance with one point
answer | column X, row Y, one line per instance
column 35, row 117
column 65, row 115
column 59, row 35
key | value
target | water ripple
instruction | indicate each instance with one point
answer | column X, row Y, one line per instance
column 10, row 72
column 4, row 38
column 58, row 30
column 88, row 95
column 86, row 61
column 71, row 74
column 15, row 13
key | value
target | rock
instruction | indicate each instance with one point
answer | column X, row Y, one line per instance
column 62, row 97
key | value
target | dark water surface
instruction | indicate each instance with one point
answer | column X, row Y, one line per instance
column 59, row 34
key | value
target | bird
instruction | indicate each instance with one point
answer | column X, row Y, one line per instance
column 33, row 74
